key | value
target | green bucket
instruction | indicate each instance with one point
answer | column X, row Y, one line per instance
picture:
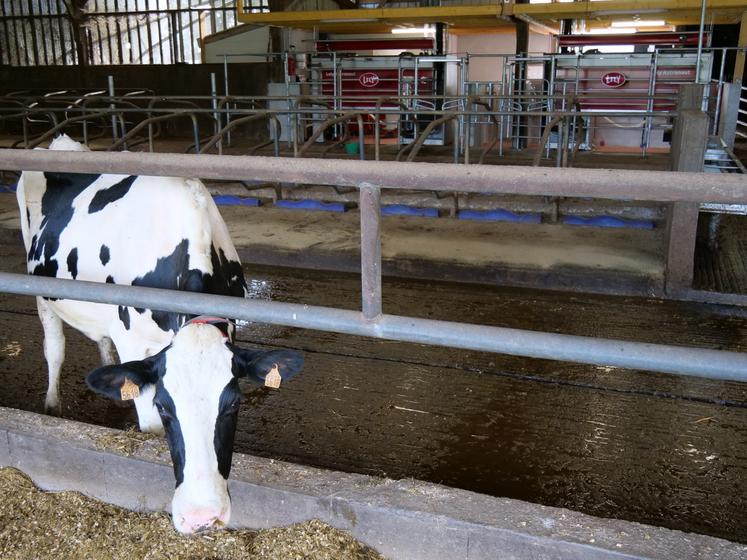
column 352, row 148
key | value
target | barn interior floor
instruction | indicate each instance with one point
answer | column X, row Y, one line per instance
column 723, row 267
column 660, row 449
column 557, row 256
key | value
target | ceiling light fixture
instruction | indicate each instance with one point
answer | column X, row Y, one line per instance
column 639, row 23
column 412, row 30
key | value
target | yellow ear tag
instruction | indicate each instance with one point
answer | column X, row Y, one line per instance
column 129, row 390
column 273, row 378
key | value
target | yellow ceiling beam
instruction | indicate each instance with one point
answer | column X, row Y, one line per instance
column 621, row 8
column 401, row 15
column 674, row 12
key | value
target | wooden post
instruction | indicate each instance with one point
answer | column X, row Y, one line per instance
column 77, row 19
column 689, row 141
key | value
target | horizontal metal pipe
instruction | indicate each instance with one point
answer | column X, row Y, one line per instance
column 663, row 186
column 712, row 364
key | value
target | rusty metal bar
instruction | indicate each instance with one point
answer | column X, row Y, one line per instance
column 415, row 146
column 122, row 142
column 369, row 204
column 662, row 186
column 84, row 117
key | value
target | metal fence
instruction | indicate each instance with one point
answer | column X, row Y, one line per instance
column 43, row 32
column 742, row 114
column 301, row 122
column 370, row 177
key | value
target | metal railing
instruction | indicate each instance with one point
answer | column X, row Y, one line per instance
column 370, row 177
column 308, row 117
column 742, row 114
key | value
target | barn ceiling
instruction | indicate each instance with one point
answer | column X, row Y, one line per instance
column 491, row 16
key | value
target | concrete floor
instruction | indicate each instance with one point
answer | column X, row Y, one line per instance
column 556, row 256
column 658, row 449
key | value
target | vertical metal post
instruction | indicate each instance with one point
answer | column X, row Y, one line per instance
column 650, row 103
column 551, row 98
column 377, row 134
column 456, row 142
column 700, row 41
column 227, row 104
column 361, row 139
column 719, row 93
column 566, row 123
column 559, row 143
column 292, row 138
column 110, row 80
column 370, row 215
column 463, row 79
column 467, row 131
column 216, row 115
column 337, row 90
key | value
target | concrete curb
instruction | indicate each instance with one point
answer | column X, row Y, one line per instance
column 402, row 519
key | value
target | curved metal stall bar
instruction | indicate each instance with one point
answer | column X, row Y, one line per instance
column 478, row 100
column 24, row 126
column 216, row 139
column 149, row 121
column 377, row 124
column 275, row 140
column 414, row 148
column 110, row 104
column 195, row 124
column 48, row 134
column 223, row 107
column 544, row 138
column 344, row 118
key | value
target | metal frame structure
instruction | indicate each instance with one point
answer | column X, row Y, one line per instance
column 43, row 32
column 741, row 124
column 370, row 177
column 307, row 116
column 516, row 95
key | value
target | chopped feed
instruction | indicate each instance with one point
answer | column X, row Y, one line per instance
column 69, row 525
column 128, row 441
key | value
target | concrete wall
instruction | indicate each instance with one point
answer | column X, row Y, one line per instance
column 176, row 80
column 180, row 79
column 489, row 69
column 405, row 519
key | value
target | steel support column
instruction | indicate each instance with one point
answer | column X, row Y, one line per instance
column 689, row 140
column 370, row 215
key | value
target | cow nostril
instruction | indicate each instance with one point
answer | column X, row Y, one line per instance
column 209, row 526
column 201, row 527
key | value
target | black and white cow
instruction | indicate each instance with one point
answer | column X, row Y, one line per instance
column 182, row 372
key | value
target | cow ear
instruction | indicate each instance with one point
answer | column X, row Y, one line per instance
column 263, row 367
column 122, row 382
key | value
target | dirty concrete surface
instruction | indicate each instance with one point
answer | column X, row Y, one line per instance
column 653, row 448
column 607, row 260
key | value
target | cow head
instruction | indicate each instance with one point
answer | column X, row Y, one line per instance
column 197, row 396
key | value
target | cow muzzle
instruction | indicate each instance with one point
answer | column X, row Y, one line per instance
column 192, row 512
column 199, row 520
